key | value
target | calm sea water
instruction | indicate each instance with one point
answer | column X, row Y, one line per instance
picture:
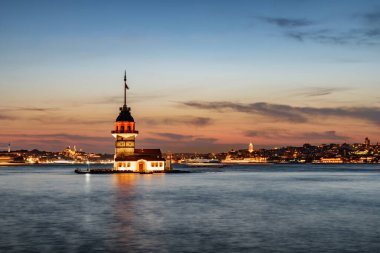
column 270, row 208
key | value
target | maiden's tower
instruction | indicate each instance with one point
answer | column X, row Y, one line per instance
column 127, row 157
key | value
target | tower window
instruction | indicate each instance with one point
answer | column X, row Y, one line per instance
column 122, row 129
column 129, row 128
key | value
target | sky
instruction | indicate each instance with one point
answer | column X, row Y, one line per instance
column 204, row 76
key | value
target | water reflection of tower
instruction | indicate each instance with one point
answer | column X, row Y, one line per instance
column 124, row 208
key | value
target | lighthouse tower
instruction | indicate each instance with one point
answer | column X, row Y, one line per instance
column 124, row 132
column 127, row 157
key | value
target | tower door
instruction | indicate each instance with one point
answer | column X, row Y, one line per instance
column 141, row 166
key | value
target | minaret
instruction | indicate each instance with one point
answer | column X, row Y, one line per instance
column 250, row 147
column 124, row 130
column 9, row 147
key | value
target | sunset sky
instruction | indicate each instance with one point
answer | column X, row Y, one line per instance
column 203, row 75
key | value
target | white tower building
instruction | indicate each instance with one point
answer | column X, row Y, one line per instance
column 127, row 157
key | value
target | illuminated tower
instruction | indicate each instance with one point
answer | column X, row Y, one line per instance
column 127, row 157
column 9, row 147
column 250, row 147
column 124, row 132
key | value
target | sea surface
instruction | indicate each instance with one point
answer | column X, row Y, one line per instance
column 260, row 208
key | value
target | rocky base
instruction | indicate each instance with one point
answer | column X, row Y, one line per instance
column 112, row 171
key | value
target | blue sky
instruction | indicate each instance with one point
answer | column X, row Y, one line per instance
column 63, row 61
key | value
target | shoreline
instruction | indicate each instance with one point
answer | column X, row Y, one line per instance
column 185, row 165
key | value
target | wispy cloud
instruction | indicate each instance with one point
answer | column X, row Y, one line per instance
column 5, row 111
column 271, row 110
column 181, row 120
column 175, row 137
column 287, row 22
column 27, row 109
column 36, row 109
column 59, row 136
column 57, row 119
column 6, row 117
column 326, row 36
column 187, row 143
column 319, row 91
column 119, row 99
column 302, row 30
column 304, row 136
column 327, row 135
column 52, row 115
column 372, row 17
column 291, row 113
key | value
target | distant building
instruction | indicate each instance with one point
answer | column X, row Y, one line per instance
column 68, row 152
column 127, row 157
column 331, row 160
column 250, row 147
column 367, row 142
column 5, row 158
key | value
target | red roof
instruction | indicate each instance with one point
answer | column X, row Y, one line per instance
column 139, row 157
column 145, row 154
column 154, row 151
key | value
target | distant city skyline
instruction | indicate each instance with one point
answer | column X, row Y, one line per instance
column 203, row 75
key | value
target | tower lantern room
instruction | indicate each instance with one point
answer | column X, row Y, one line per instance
column 125, row 122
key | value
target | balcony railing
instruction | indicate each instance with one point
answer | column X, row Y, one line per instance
column 125, row 132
